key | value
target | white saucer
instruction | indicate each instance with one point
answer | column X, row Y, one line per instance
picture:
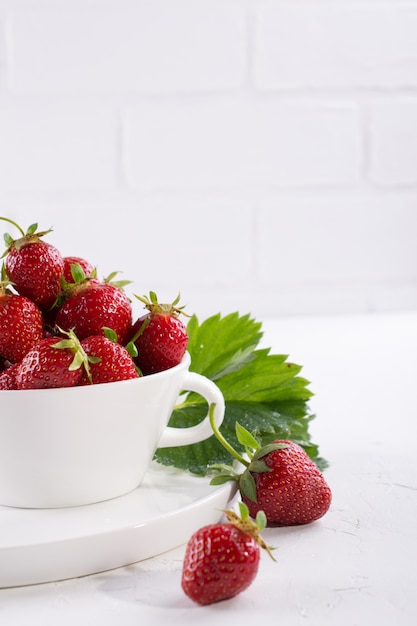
column 43, row 545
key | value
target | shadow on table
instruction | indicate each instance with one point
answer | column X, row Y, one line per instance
column 154, row 588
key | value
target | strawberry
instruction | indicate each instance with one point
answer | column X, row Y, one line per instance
column 280, row 479
column 21, row 325
column 222, row 560
column 112, row 361
column 69, row 261
column 159, row 336
column 34, row 266
column 8, row 377
column 292, row 490
column 53, row 362
column 92, row 306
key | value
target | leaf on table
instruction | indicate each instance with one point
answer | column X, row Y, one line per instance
column 263, row 392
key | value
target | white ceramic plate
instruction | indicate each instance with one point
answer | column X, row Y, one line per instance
column 43, row 545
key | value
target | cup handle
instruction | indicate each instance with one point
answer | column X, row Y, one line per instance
column 172, row 437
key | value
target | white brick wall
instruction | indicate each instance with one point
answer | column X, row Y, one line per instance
column 336, row 45
column 356, row 229
column 256, row 155
column 393, row 130
column 49, row 148
column 231, row 142
column 148, row 47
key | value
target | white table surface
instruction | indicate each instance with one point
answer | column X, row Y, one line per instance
column 355, row 566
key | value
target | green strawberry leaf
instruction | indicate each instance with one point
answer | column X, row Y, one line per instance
column 32, row 229
column 261, row 520
column 259, row 467
column 265, row 396
column 109, row 333
column 246, row 438
column 247, row 485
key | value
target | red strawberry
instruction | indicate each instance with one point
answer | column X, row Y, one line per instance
column 69, row 261
column 280, row 479
column 8, row 377
column 221, row 560
column 293, row 491
column 95, row 305
column 21, row 325
column 34, row 266
column 113, row 362
column 160, row 337
column 52, row 363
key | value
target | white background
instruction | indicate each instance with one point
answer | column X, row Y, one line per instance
column 255, row 155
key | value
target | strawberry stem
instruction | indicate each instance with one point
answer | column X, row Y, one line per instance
column 250, row 527
column 6, row 219
column 222, row 440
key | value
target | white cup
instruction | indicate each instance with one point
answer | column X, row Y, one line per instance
column 81, row 445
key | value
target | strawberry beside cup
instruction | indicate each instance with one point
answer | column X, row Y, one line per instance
column 278, row 478
column 222, row 560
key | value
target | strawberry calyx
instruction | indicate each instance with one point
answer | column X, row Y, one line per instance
column 4, row 289
column 81, row 358
column 252, row 461
column 155, row 307
column 250, row 527
column 5, row 283
column 78, row 277
column 109, row 333
column 32, row 235
column 81, row 281
column 120, row 284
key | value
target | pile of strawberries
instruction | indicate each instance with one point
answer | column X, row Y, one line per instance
column 61, row 326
